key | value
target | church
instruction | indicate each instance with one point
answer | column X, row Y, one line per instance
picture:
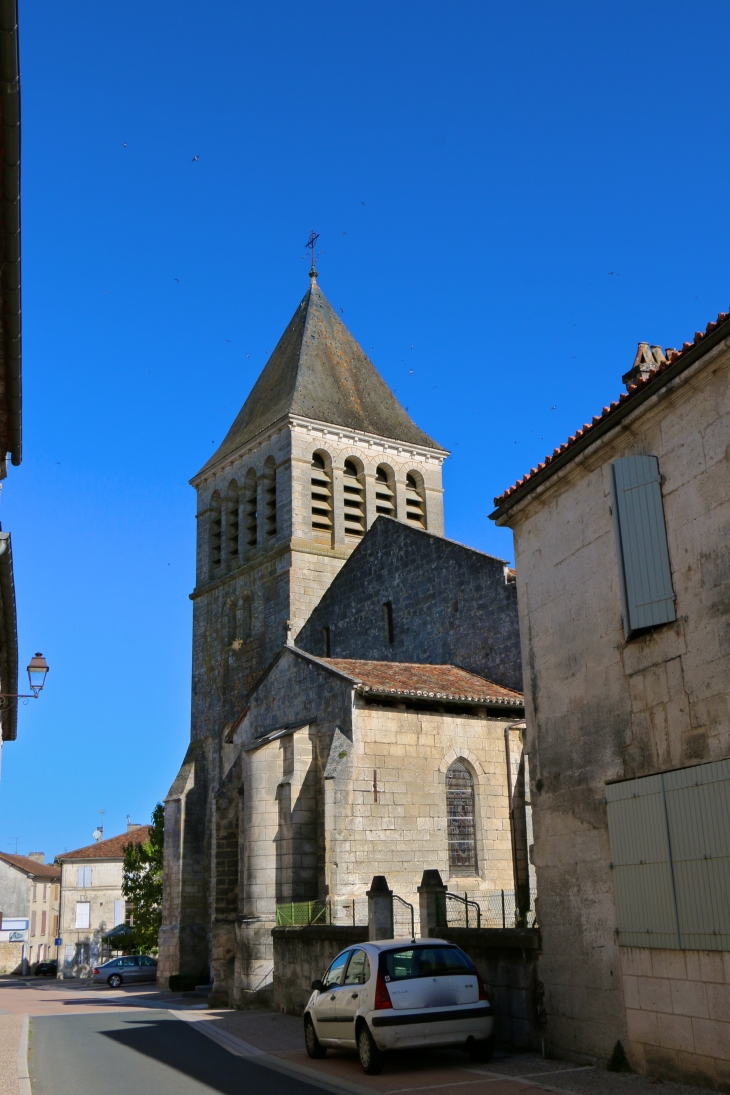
column 356, row 681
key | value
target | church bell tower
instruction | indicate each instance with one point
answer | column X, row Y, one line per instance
column 319, row 450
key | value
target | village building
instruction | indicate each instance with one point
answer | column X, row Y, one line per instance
column 357, row 703
column 622, row 546
column 91, row 899
column 29, row 907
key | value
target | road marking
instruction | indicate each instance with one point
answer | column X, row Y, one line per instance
column 490, row 1076
column 23, row 1076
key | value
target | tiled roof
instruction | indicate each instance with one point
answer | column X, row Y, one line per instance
column 430, row 682
column 113, row 848
column 31, row 866
column 673, row 357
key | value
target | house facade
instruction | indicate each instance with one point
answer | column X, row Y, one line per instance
column 622, row 549
column 29, row 903
column 91, row 899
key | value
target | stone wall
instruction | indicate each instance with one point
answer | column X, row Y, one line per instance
column 303, row 954
column 599, row 708
column 507, row 962
column 450, row 605
column 678, row 1014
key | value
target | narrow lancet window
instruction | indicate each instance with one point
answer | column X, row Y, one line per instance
column 321, row 500
column 232, row 523
column 250, row 511
column 354, row 501
column 384, row 492
column 415, row 506
column 214, row 527
column 270, row 499
column 460, row 820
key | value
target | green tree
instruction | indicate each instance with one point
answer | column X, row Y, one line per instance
column 142, row 882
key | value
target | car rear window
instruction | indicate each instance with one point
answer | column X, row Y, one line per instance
column 424, row 962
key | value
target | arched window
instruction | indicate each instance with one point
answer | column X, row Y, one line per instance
column 270, row 498
column 321, row 500
column 232, row 522
column 214, row 531
column 385, row 491
column 250, row 511
column 231, row 621
column 354, row 500
column 460, row 820
column 415, row 504
column 246, row 616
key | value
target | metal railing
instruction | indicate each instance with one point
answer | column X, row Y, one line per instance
column 293, row 914
column 498, row 909
column 399, row 916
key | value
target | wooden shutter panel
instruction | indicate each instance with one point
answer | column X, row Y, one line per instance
column 641, row 543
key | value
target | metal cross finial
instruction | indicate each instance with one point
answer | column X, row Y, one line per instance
column 310, row 245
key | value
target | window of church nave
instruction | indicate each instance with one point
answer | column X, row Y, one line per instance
column 384, row 491
column 232, row 522
column 354, row 501
column 270, row 498
column 250, row 511
column 321, row 500
column 415, row 508
column 460, row 820
column 214, row 544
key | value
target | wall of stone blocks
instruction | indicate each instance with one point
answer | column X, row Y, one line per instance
column 302, row 954
column 678, row 1014
column 507, row 962
column 451, row 605
column 600, row 708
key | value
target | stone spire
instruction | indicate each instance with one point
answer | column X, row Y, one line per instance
column 319, row 372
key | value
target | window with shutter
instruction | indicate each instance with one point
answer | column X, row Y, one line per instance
column 670, row 858
column 645, row 575
column 118, row 913
column 83, row 909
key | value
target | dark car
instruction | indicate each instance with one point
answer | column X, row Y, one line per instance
column 47, row 969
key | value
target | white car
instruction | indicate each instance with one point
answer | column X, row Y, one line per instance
column 397, row 994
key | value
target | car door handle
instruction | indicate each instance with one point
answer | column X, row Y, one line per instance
column 332, row 997
column 354, row 996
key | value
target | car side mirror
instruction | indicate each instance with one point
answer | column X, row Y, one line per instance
column 317, row 985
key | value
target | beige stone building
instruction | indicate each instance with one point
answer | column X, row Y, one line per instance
column 355, row 673
column 622, row 544
column 29, row 904
column 91, row 899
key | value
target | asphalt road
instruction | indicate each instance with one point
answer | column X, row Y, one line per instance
column 141, row 1053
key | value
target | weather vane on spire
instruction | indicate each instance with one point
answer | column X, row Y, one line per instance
column 310, row 245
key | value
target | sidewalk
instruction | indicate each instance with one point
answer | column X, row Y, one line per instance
column 276, row 1041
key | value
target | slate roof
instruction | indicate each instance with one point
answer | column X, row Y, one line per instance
column 431, row 682
column 31, row 866
column 676, row 362
column 113, row 848
column 319, row 371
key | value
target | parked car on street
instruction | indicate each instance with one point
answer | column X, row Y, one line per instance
column 127, row 970
column 399, row 994
column 46, row 969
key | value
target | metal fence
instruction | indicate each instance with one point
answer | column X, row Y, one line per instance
column 298, row 913
column 475, row 909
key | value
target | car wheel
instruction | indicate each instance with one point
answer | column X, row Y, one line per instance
column 114, row 981
column 371, row 1058
column 482, row 1050
column 315, row 1049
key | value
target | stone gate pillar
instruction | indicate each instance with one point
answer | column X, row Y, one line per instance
column 432, row 903
column 380, row 909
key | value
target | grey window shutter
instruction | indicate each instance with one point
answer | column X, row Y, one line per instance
column 641, row 543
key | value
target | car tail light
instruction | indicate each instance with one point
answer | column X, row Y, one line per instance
column 382, row 999
column 95, row 970
column 482, row 990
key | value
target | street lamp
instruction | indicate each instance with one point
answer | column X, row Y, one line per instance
column 37, row 670
column 37, row 673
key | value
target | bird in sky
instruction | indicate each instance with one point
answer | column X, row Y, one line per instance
column 554, row 408
column 195, row 158
column 342, row 310
column 228, row 340
column 362, row 203
column 344, row 233
column 125, row 144
column 177, row 280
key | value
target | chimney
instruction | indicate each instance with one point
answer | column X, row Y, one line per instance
column 133, row 825
column 39, row 857
column 647, row 358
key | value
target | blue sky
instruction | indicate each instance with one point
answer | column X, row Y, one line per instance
column 509, row 196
